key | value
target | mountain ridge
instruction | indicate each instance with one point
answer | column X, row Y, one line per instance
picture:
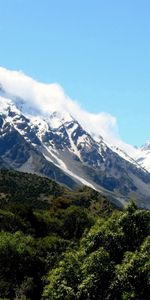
column 54, row 144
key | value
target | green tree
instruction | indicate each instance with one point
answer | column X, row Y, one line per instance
column 132, row 278
column 64, row 279
column 96, row 272
column 75, row 221
column 18, row 261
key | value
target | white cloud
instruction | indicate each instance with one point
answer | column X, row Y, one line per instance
column 46, row 98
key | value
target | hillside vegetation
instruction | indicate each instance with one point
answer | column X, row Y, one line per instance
column 61, row 245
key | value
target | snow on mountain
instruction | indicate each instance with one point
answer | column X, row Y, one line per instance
column 26, row 121
column 130, row 158
column 39, row 133
column 36, row 98
column 142, row 156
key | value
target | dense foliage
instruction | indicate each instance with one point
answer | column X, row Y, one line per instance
column 78, row 248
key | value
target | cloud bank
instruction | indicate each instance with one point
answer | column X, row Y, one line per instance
column 46, row 98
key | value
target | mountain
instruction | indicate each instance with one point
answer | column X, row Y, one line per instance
column 53, row 143
column 142, row 156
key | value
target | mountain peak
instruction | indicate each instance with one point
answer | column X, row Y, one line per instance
column 45, row 132
column 146, row 146
column 36, row 98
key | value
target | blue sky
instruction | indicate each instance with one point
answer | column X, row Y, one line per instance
column 97, row 50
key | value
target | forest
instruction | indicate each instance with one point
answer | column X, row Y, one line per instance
column 58, row 244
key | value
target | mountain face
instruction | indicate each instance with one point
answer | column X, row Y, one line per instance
column 142, row 156
column 55, row 145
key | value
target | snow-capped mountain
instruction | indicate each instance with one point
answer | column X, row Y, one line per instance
column 54, row 144
column 142, row 156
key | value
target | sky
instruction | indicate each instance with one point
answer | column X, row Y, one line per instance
column 96, row 50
